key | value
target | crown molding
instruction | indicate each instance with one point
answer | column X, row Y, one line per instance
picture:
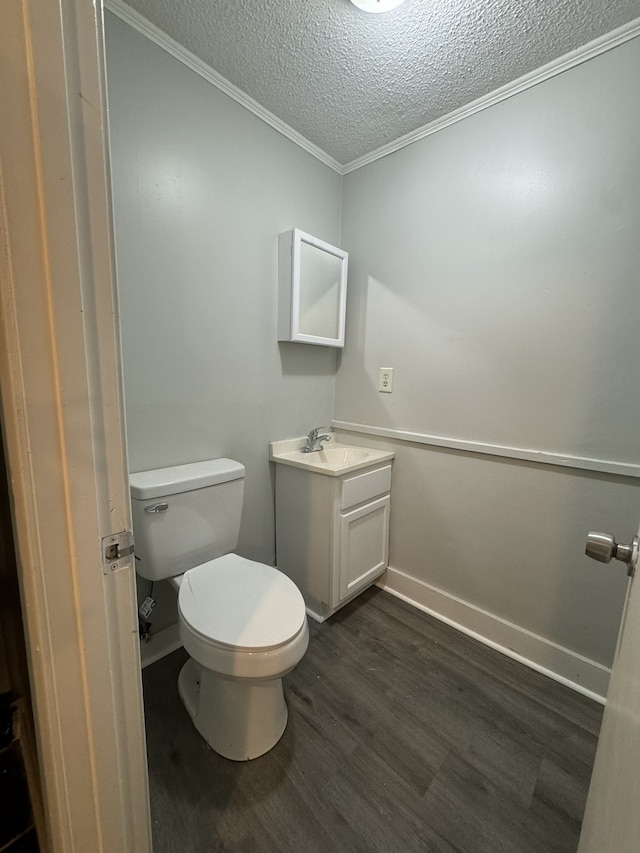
column 582, row 54
column 146, row 28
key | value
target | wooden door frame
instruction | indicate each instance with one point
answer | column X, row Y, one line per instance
column 62, row 413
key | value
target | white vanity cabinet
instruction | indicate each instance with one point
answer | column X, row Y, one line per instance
column 332, row 532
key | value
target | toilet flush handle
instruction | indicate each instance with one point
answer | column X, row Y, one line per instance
column 163, row 507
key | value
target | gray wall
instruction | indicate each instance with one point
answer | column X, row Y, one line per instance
column 201, row 190
column 494, row 265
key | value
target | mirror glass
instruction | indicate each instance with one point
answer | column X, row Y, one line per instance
column 320, row 274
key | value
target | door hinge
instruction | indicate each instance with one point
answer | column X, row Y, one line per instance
column 117, row 550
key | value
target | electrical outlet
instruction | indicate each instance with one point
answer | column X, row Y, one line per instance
column 385, row 380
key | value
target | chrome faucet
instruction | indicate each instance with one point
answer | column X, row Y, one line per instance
column 314, row 441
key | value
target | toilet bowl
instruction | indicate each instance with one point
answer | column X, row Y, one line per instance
column 244, row 626
column 242, row 623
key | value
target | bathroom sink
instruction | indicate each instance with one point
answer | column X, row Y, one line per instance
column 333, row 460
column 341, row 455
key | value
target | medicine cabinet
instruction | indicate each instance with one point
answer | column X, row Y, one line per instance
column 312, row 292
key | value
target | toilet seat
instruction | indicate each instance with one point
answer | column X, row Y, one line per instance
column 241, row 618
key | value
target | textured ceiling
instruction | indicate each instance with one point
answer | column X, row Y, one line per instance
column 351, row 82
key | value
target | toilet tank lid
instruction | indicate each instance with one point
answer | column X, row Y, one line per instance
column 162, row 482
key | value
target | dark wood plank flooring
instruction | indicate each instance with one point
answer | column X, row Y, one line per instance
column 404, row 735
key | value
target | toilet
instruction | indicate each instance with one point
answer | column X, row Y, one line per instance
column 242, row 623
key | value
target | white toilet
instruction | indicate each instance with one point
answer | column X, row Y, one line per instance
column 243, row 623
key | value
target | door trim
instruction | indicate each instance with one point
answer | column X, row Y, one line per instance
column 63, row 427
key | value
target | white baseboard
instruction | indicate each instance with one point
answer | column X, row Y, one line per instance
column 160, row 645
column 561, row 664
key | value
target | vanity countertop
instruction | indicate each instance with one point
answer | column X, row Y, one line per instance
column 333, row 460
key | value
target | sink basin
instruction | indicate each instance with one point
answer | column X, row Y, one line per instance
column 341, row 455
column 333, row 460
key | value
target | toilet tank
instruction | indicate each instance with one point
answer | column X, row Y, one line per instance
column 185, row 515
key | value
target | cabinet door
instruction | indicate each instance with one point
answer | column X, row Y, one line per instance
column 364, row 547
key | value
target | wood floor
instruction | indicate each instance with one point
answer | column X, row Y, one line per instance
column 404, row 735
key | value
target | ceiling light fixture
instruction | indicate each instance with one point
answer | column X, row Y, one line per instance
column 377, row 5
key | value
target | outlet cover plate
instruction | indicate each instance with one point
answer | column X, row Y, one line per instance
column 385, row 380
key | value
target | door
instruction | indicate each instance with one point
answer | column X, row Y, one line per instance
column 61, row 400
column 364, row 547
column 612, row 818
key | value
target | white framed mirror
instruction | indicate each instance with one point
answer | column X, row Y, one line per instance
column 312, row 294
